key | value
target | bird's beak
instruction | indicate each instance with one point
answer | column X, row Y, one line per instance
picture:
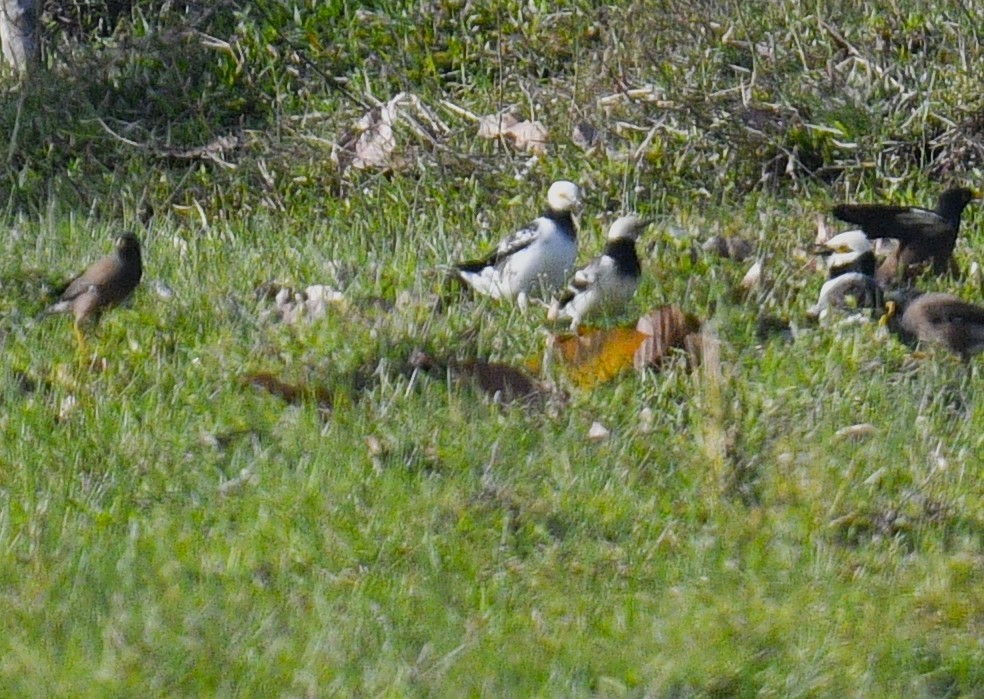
column 891, row 308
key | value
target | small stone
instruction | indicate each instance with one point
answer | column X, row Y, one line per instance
column 753, row 277
column 598, row 432
column 857, row 432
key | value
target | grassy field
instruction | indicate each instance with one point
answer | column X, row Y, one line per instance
column 167, row 528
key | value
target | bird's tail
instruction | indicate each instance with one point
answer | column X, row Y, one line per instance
column 473, row 266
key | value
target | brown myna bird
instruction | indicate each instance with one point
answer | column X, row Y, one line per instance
column 104, row 284
column 938, row 318
column 926, row 238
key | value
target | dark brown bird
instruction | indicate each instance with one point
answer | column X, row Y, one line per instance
column 941, row 319
column 106, row 283
column 926, row 238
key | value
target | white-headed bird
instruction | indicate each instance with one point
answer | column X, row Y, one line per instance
column 534, row 261
column 609, row 281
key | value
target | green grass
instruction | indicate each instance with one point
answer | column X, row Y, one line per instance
column 166, row 528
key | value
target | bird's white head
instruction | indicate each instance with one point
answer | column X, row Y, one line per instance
column 847, row 247
column 563, row 196
column 849, row 241
column 627, row 227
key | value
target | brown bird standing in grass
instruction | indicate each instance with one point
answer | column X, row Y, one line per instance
column 106, row 283
column 938, row 318
column 926, row 238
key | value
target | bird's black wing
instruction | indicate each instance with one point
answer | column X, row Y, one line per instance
column 566, row 297
column 519, row 240
column 905, row 223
